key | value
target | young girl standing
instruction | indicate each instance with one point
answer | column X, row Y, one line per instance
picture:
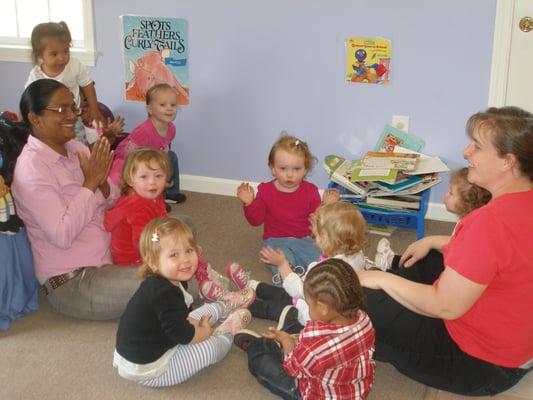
column 157, row 132
column 285, row 204
column 340, row 232
column 159, row 343
column 50, row 42
column 143, row 182
column 332, row 356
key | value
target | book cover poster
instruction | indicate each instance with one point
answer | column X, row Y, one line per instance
column 368, row 60
column 156, row 50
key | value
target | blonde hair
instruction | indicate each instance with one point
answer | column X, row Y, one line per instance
column 341, row 229
column 57, row 30
column 335, row 283
column 293, row 145
column 160, row 87
column 471, row 196
column 147, row 155
column 150, row 241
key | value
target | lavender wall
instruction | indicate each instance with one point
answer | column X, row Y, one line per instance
column 259, row 67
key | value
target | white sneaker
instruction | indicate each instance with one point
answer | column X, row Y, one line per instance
column 384, row 255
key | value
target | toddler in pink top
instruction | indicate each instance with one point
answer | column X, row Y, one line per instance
column 285, row 204
column 157, row 131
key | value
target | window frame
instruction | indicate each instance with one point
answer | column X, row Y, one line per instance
column 87, row 54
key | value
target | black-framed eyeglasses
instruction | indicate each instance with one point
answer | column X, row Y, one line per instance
column 64, row 109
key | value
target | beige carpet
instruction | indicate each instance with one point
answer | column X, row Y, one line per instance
column 48, row 356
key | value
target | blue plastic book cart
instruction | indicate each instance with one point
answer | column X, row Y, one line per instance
column 401, row 219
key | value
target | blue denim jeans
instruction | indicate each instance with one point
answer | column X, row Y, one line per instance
column 265, row 360
column 298, row 251
column 175, row 177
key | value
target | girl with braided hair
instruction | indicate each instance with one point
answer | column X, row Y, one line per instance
column 332, row 356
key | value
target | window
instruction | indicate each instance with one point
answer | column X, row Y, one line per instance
column 20, row 16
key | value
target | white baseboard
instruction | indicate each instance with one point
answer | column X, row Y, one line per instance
column 228, row 187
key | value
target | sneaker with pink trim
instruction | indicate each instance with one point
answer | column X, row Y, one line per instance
column 236, row 321
column 243, row 298
column 219, row 279
column 238, row 275
column 210, row 290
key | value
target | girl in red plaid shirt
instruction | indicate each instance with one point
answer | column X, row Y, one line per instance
column 332, row 357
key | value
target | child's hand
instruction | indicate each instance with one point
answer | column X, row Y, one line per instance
column 270, row 256
column 245, row 193
column 285, row 340
column 97, row 119
column 331, row 196
column 114, row 129
column 202, row 329
column 277, row 258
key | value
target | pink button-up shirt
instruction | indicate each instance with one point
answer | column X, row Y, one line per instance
column 64, row 220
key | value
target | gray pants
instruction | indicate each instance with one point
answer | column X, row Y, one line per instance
column 96, row 293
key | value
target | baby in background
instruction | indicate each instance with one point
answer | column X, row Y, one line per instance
column 157, row 131
column 50, row 42
column 144, row 179
column 340, row 232
column 461, row 198
column 332, row 357
column 160, row 341
column 284, row 204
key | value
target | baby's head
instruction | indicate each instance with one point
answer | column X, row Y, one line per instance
column 290, row 160
column 464, row 197
column 332, row 286
column 146, row 171
column 162, row 102
column 50, row 43
column 339, row 228
column 168, row 248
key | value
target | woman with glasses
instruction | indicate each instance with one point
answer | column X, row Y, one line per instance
column 61, row 191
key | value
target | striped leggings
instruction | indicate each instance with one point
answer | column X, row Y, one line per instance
column 189, row 359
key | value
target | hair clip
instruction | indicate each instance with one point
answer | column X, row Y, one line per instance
column 155, row 237
column 297, row 142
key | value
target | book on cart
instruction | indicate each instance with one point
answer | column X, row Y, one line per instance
column 390, row 160
column 340, row 171
column 411, row 202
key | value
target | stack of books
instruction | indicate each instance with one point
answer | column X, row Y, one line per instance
column 390, row 177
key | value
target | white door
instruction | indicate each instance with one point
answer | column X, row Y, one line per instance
column 512, row 57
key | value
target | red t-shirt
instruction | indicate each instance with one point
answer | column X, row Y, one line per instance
column 283, row 214
column 126, row 221
column 493, row 246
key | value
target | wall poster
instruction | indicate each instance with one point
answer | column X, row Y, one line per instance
column 156, row 50
column 368, row 60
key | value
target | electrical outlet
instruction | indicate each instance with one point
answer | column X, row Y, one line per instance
column 401, row 122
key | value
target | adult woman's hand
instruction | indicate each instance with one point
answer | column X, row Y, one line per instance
column 419, row 249
column 96, row 167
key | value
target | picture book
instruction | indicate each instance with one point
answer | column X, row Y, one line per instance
column 397, row 161
column 156, row 50
column 407, row 201
column 340, row 171
column 404, row 182
column 426, row 165
column 361, row 173
column 368, row 60
column 391, row 137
